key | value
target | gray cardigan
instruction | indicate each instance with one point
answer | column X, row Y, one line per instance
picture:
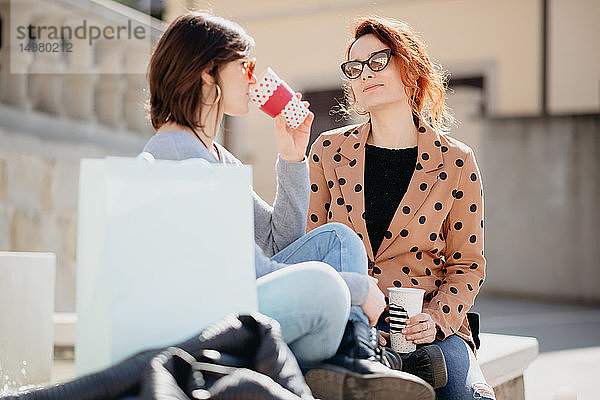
column 275, row 227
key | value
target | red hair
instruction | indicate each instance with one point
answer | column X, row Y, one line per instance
column 425, row 83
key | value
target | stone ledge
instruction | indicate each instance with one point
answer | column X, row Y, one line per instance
column 504, row 358
column 64, row 329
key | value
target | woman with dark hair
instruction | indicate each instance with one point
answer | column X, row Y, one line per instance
column 412, row 193
column 201, row 70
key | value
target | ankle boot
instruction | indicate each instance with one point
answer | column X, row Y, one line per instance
column 362, row 369
column 426, row 362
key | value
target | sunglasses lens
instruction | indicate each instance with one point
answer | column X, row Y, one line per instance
column 352, row 69
column 249, row 67
column 378, row 61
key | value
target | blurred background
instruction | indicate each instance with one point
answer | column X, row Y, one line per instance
column 524, row 86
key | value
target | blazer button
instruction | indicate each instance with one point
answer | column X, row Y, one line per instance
column 371, row 264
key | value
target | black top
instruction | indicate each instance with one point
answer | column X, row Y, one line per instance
column 387, row 175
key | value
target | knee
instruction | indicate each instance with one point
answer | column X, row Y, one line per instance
column 323, row 285
column 346, row 236
column 343, row 231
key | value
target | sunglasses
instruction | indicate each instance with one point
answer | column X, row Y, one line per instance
column 249, row 67
column 376, row 62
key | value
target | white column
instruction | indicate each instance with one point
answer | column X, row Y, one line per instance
column 78, row 95
column 136, row 94
column 26, row 308
column 47, row 70
column 110, row 83
column 14, row 87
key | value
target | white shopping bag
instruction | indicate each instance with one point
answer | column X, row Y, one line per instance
column 164, row 249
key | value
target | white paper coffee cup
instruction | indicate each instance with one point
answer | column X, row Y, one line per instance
column 404, row 304
column 273, row 96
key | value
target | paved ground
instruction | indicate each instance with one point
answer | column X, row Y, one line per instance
column 569, row 337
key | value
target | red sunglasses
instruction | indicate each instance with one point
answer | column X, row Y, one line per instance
column 249, row 68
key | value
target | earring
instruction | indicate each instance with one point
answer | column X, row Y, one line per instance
column 354, row 106
column 218, row 95
column 359, row 111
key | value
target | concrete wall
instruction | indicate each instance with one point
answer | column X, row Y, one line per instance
column 39, row 179
column 574, row 56
column 542, row 186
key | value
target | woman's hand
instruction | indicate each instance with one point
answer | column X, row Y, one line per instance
column 292, row 143
column 420, row 329
column 384, row 337
column 375, row 302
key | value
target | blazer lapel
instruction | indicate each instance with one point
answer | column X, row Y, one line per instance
column 350, row 176
column 429, row 159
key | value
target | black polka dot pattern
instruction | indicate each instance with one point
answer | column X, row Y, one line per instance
column 440, row 247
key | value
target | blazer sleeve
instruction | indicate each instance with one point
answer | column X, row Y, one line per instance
column 320, row 197
column 464, row 265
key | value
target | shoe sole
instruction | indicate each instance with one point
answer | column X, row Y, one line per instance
column 336, row 383
column 440, row 374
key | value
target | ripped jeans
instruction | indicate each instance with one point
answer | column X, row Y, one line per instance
column 465, row 379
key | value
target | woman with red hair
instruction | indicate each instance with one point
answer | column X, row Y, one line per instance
column 411, row 193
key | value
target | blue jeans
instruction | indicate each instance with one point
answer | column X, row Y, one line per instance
column 309, row 299
column 465, row 379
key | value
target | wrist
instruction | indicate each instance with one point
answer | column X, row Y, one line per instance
column 291, row 158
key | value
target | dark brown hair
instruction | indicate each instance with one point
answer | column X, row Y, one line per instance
column 191, row 44
column 425, row 83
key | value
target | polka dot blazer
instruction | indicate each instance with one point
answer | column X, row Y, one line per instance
column 435, row 239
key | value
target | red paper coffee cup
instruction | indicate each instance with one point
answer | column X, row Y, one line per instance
column 273, row 96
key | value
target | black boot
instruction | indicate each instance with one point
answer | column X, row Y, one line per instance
column 362, row 369
column 427, row 362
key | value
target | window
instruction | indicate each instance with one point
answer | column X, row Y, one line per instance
column 323, row 104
